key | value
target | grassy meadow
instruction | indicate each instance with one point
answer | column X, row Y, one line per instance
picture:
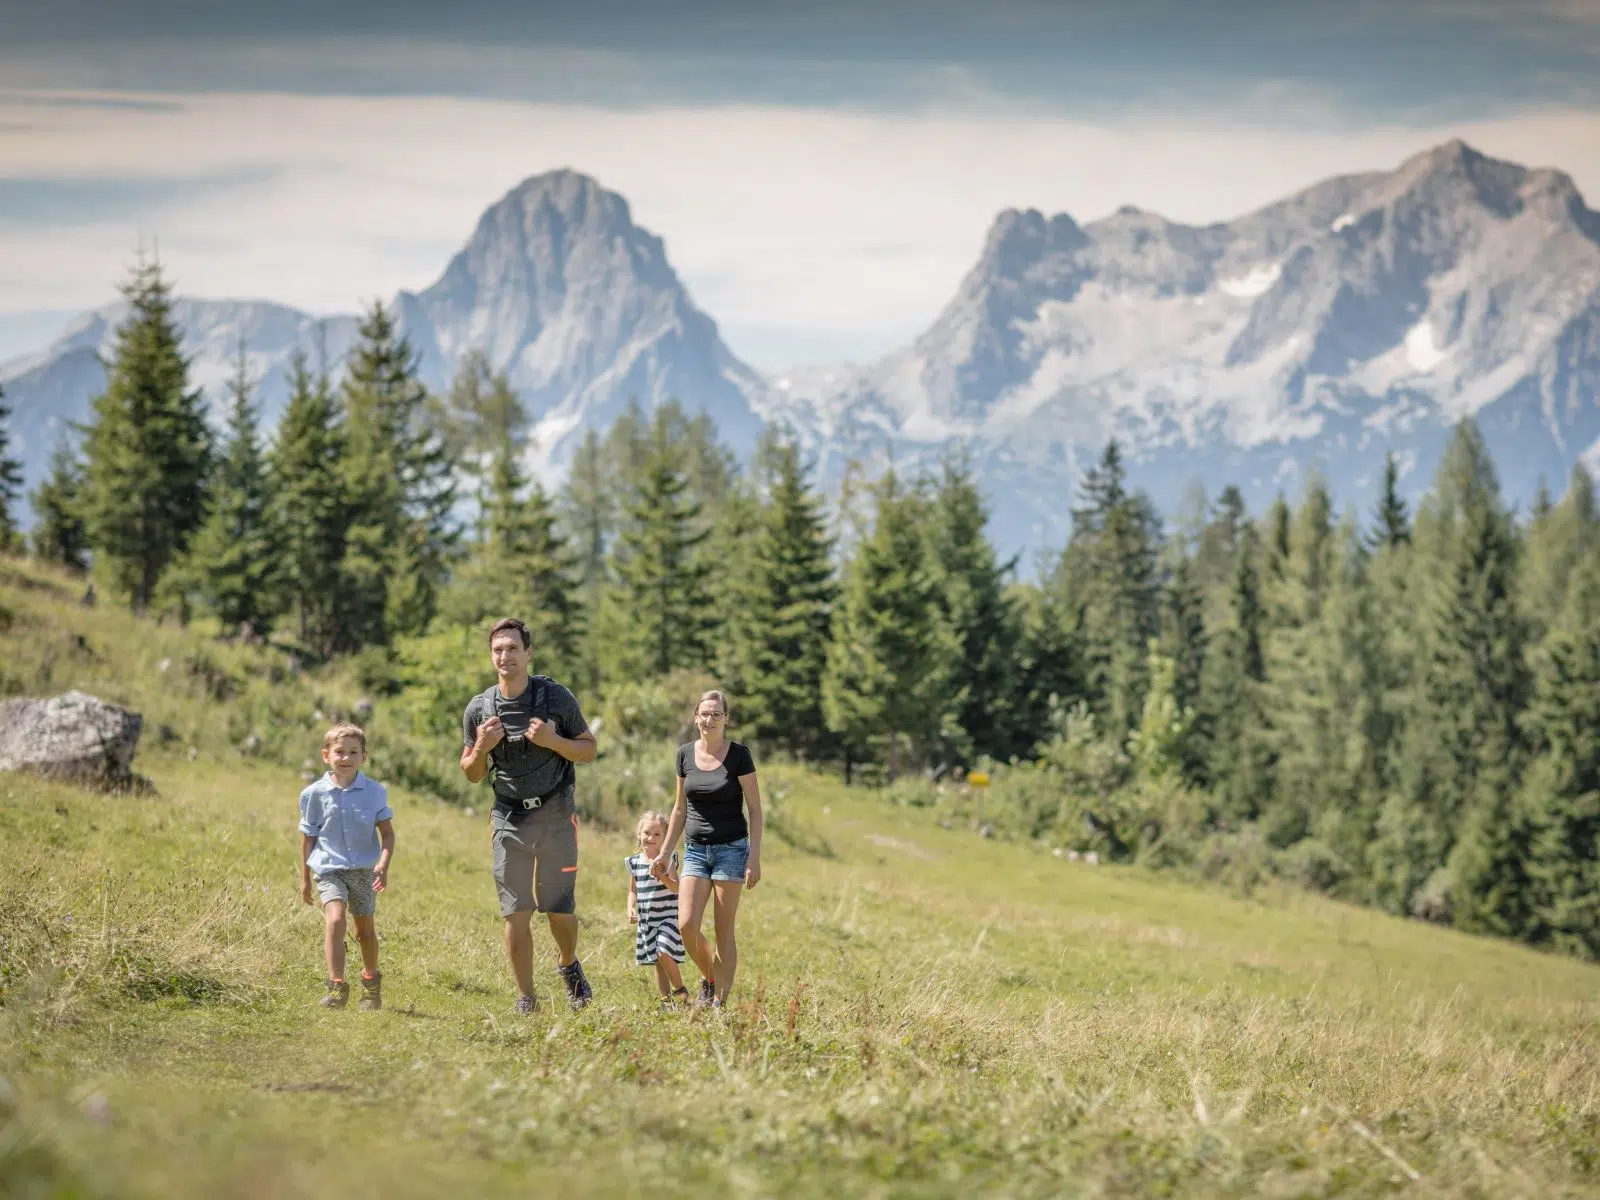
column 920, row 1011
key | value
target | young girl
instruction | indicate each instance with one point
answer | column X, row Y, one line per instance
column 653, row 906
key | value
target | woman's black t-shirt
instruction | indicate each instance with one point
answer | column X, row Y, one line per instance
column 715, row 799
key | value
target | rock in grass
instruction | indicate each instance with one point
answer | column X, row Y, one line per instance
column 74, row 737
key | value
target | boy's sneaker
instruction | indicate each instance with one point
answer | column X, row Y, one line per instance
column 708, row 993
column 371, row 993
column 527, row 1004
column 578, row 993
column 338, row 994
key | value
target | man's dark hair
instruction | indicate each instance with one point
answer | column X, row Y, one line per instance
column 511, row 623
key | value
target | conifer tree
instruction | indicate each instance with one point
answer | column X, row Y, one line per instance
column 10, row 484
column 779, row 636
column 970, row 583
column 399, row 487
column 1462, row 743
column 59, row 534
column 1559, row 813
column 233, row 562
column 1108, row 573
column 306, row 478
column 891, row 657
column 1238, row 760
column 520, row 563
column 147, row 447
column 1183, row 645
column 1559, row 539
column 1392, row 520
column 662, row 612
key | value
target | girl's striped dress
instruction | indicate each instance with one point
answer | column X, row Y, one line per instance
column 658, row 914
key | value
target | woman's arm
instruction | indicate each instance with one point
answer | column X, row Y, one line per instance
column 751, row 788
column 675, row 825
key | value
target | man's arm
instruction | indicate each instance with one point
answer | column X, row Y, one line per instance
column 580, row 749
column 475, row 755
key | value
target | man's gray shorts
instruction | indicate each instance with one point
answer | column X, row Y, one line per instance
column 353, row 886
column 536, row 858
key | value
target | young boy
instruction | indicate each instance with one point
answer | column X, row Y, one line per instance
column 346, row 841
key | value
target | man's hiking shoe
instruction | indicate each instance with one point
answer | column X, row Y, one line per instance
column 708, row 993
column 578, row 993
column 527, row 1004
column 371, row 993
column 338, row 994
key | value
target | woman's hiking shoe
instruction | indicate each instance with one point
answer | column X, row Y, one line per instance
column 371, row 993
column 527, row 1004
column 708, row 993
column 578, row 993
column 338, row 994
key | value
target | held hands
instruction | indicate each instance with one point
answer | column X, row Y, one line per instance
column 491, row 733
column 658, row 866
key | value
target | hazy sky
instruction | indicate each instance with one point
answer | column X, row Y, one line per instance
column 821, row 178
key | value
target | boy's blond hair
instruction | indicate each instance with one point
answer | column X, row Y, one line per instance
column 345, row 729
column 648, row 817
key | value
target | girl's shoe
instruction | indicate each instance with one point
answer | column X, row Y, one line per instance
column 679, row 997
column 338, row 994
column 371, row 993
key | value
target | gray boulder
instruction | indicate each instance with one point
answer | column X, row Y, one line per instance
column 74, row 737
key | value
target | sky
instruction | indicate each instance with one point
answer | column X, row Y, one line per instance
column 822, row 175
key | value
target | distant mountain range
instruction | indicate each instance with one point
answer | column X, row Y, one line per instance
column 1365, row 314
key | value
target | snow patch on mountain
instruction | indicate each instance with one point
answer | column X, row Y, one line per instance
column 1256, row 282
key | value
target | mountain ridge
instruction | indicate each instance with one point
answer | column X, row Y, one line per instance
column 1361, row 314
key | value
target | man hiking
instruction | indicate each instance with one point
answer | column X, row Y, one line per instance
column 526, row 732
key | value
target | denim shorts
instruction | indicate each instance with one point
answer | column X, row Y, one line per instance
column 723, row 861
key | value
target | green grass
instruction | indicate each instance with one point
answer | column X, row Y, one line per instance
column 920, row 1012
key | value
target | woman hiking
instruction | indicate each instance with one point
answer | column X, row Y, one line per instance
column 722, row 848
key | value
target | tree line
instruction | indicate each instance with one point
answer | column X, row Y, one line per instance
column 1406, row 705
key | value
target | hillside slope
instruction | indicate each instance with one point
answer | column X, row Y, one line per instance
column 920, row 1011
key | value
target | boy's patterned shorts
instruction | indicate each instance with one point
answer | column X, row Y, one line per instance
column 352, row 886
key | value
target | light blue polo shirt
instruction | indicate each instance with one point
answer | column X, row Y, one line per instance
column 345, row 823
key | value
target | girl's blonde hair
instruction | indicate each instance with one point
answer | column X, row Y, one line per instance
column 647, row 818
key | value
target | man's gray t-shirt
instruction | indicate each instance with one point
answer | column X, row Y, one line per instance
column 523, row 771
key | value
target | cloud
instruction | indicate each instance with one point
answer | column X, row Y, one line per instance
column 847, row 229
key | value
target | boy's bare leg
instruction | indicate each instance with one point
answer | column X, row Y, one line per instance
column 674, row 978
column 564, row 928
column 519, row 949
column 692, row 896
column 724, row 912
column 333, row 926
column 367, row 935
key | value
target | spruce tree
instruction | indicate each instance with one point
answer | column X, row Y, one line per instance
column 10, row 484
column 1462, row 744
column 971, row 585
column 1392, row 520
column 891, row 657
column 1183, row 644
column 306, row 478
column 1559, row 812
column 399, row 487
column 1109, row 574
column 1559, row 538
column 147, row 447
column 779, row 641
column 59, row 534
column 1238, row 761
column 662, row 605
column 234, row 560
